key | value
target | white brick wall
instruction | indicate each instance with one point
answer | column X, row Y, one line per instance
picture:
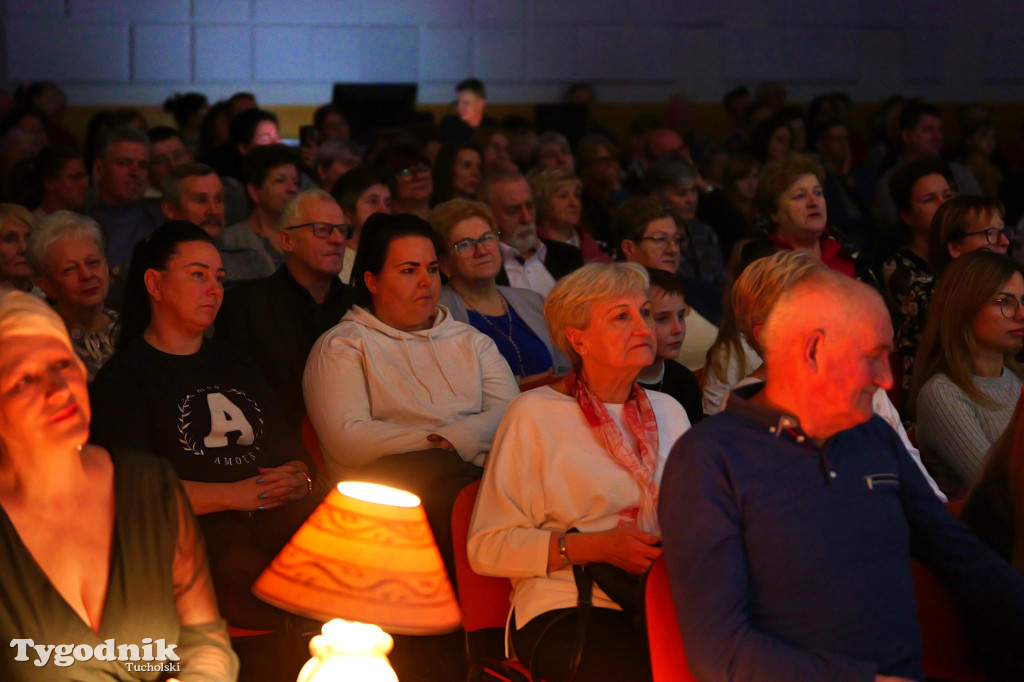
column 291, row 51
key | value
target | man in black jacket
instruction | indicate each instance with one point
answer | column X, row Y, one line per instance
column 277, row 319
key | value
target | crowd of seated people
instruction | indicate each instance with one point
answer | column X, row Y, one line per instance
column 222, row 290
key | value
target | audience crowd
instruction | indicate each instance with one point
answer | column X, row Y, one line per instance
column 719, row 354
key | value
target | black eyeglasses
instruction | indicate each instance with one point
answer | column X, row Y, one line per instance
column 418, row 169
column 662, row 240
column 1008, row 304
column 468, row 246
column 992, row 234
column 324, row 230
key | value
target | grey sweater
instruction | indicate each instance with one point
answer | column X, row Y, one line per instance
column 954, row 432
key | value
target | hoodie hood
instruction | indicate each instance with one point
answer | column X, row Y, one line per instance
column 442, row 327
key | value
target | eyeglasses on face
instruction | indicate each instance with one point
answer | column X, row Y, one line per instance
column 662, row 240
column 992, row 234
column 465, row 247
column 324, row 230
column 418, row 169
column 1008, row 304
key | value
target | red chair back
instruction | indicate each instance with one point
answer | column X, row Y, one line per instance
column 668, row 657
column 946, row 651
column 484, row 599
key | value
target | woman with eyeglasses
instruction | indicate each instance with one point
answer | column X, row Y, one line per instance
column 410, row 178
column 966, row 382
column 512, row 317
column 959, row 225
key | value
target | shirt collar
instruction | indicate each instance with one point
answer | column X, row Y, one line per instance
column 286, row 276
column 509, row 253
column 776, row 423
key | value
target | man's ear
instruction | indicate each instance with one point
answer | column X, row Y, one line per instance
column 254, row 193
column 756, row 330
column 813, row 346
column 284, row 238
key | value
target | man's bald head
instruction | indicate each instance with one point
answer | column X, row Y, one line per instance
column 826, row 347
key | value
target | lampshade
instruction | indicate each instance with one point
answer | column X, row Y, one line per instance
column 365, row 554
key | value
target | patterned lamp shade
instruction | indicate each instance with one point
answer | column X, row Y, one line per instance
column 366, row 554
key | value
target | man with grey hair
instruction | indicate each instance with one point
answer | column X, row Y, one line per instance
column 790, row 519
column 121, row 174
column 529, row 261
column 194, row 192
column 277, row 319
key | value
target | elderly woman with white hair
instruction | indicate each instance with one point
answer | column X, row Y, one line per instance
column 117, row 555
column 66, row 253
column 610, row 438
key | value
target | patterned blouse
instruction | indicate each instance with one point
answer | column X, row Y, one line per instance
column 95, row 348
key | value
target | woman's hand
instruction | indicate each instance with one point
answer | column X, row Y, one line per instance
column 627, row 547
column 290, row 476
column 271, row 488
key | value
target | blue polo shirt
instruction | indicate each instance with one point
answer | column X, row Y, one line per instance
column 789, row 561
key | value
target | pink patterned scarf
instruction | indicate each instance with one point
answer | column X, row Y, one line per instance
column 642, row 424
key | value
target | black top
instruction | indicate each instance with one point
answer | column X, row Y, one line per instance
column 275, row 321
column 211, row 414
column 682, row 384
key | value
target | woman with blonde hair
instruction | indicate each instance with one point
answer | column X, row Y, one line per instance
column 15, row 225
column 735, row 353
column 557, row 194
column 512, row 317
column 99, row 545
column 966, row 381
column 599, row 430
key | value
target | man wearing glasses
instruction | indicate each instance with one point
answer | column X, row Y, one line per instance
column 277, row 319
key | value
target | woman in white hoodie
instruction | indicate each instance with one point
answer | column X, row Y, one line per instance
column 399, row 392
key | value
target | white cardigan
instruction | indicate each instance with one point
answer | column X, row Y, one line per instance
column 549, row 472
column 372, row 390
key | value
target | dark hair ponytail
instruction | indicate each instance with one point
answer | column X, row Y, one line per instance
column 152, row 253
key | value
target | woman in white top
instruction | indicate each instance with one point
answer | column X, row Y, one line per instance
column 399, row 392
column 586, row 453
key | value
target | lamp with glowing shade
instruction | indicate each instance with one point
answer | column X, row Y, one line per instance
column 366, row 554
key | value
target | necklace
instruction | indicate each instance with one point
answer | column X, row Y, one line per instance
column 502, row 332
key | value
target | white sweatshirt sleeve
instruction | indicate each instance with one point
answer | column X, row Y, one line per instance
column 472, row 435
column 335, row 390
